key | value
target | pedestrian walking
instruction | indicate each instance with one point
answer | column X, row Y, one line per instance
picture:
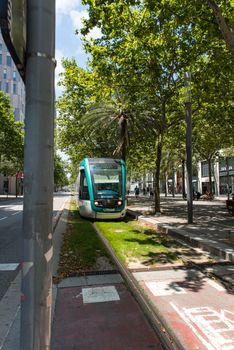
column 137, row 191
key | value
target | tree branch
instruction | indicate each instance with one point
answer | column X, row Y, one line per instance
column 227, row 33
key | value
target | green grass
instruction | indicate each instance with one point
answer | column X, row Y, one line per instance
column 132, row 241
column 81, row 246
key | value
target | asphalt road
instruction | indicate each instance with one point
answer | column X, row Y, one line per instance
column 11, row 214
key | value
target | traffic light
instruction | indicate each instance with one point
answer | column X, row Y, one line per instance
column 13, row 27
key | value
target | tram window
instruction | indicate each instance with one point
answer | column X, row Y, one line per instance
column 84, row 192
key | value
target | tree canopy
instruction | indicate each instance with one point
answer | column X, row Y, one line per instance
column 11, row 138
column 135, row 80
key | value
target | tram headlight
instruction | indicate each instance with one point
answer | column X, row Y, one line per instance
column 98, row 203
column 119, row 203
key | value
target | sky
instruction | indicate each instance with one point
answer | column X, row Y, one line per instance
column 69, row 14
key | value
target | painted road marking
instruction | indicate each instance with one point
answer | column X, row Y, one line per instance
column 16, row 213
column 216, row 286
column 8, row 267
column 5, row 217
column 164, row 288
column 215, row 329
column 100, row 294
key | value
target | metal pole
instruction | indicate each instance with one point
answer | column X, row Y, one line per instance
column 228, row 182
column 183, row 179
column 38, row 180
column 188, row 119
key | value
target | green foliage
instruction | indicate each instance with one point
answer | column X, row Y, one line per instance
column 11, row 139
column 136, row 69
column 60, row 173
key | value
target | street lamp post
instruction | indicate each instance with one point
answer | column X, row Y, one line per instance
column 36, row 296
column 188, row 119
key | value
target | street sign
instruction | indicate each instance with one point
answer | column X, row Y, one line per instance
column 13, row 28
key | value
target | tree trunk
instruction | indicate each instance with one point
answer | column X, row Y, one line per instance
column 157, row 173
column 173, row 182
column 166, row 183
column 123, row 137
column 227, row 33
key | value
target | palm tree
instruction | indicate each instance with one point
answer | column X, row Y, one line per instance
column 107, row 115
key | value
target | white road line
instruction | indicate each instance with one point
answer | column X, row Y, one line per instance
column 164, row 288
column 5, row 217
column 216, row 286
column 195, row 331
column 214, row 335
column 8, row 267
column 16, row 213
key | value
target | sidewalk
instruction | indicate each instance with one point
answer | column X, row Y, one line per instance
column 212, row 229
column 5, row 197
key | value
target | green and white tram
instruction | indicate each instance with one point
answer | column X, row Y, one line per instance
column 101, row 187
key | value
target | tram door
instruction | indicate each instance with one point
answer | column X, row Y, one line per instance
column 83, row 187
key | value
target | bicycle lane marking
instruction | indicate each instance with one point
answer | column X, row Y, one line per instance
column 193, row 306
column 213, row 328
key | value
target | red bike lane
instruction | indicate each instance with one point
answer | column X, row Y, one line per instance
column 100, row 316
column 198, row 310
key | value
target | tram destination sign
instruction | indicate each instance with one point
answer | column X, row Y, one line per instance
column 104, row 166
column 13, row 28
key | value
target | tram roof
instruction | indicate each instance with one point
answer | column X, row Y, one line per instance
column 102, row 160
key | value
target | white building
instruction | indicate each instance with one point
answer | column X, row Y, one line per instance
column 222, row 176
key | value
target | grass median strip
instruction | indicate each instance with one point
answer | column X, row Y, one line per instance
column 81, row 250
column 137, row 245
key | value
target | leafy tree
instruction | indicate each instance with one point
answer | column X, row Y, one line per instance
column 140, row 61
column 11, row 139
column 143, row 46
column 60, row 172
column 226, row 24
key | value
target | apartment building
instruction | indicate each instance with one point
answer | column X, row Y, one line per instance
column 11, row 82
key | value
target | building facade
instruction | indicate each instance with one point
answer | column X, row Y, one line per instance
column 12, row 84
column 222, row 176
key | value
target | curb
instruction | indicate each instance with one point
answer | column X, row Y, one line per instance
column 165, row 333
column 202, row 243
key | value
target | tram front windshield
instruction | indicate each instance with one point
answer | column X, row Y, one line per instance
column 107, row 179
